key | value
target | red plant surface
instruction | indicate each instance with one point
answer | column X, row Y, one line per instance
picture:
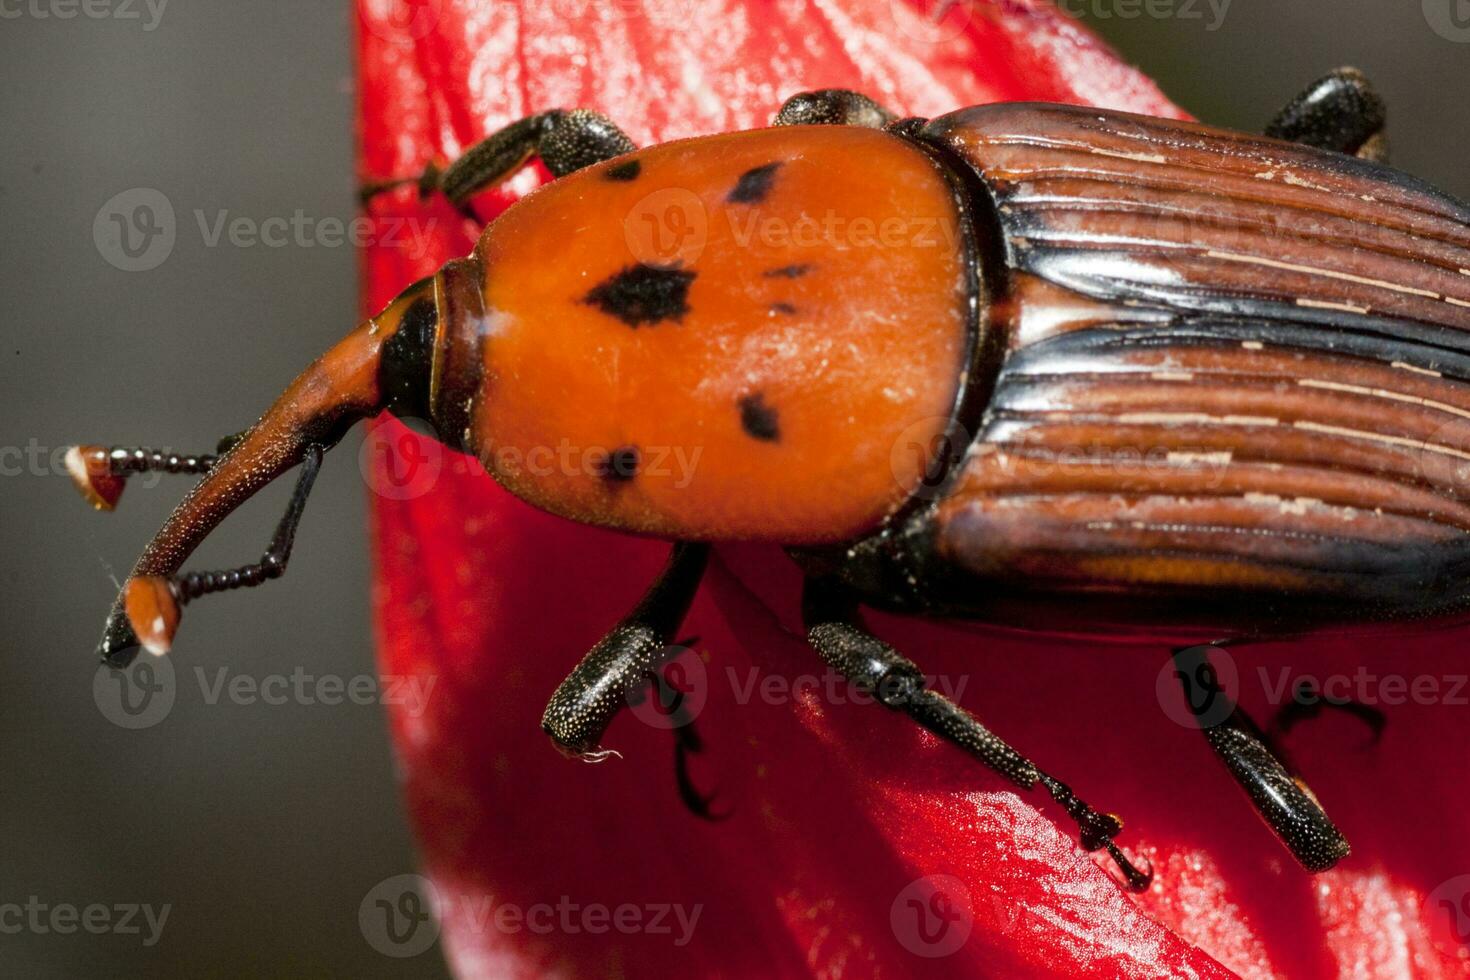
column 837, row 807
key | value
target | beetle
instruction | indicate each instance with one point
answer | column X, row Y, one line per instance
column 949, row 421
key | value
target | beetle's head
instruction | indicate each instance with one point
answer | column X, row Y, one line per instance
column 388, row 362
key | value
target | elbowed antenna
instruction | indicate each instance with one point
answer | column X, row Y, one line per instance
column 384, row 363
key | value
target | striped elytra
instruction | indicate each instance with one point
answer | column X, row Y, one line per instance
column 1213, row 379
column 1234, row 381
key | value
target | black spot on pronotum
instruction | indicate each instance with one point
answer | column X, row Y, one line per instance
column 754, row 184
column 627, row 170
column 620, row 465
column 642, row 294
column 784, row 308
column 758, row 419
column 787, row 271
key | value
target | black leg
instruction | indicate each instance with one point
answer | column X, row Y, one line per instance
column 671, row 704
column 835, row 633
column 1339, row 112
column 153, row 603
column 1281, row 798
column 626, row 660
column 1307, row 702
column 833, row 107
column 565, row 140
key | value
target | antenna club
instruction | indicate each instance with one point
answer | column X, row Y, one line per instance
column 91, row 471
column 153, row 611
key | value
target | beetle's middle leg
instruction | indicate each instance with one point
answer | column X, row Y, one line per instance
column 1279, row 795
column 565, row 140
column 835, row 633
column 1339, row 111
column 627, row 659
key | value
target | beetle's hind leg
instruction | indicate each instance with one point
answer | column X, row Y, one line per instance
column 565, row 141
column 628, row 661
column 834, row 631
column 1280, row 796
column 1339, row 111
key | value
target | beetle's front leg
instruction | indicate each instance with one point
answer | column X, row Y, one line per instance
column 835, row 633
column 1282, row 799
column 565, row 141
column 1339, row 111
column 832, row 107
column 625, row 660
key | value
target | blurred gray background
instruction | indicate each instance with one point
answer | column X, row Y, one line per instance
column 263, row 826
